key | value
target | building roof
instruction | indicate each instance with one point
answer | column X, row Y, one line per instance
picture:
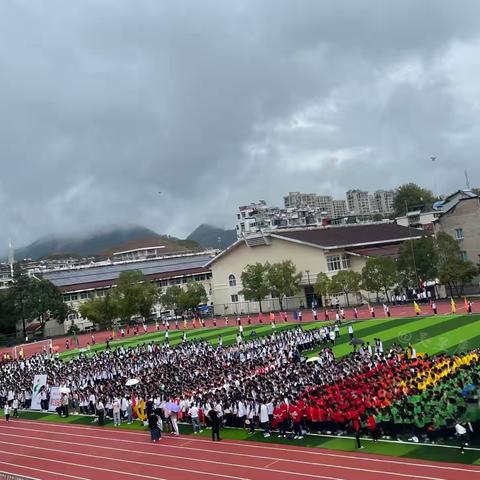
column 355, row 235
column 106, row 275
column 377, row 251
column 331, row 237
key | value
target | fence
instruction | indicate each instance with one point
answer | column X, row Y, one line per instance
column 10, row 476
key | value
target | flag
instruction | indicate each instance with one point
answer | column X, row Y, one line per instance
column 465, row 302
column 453, row 305
column 417, row 308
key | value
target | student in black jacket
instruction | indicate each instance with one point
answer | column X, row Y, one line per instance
column 215, row 422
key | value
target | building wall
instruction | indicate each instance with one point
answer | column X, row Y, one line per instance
column 464, row 218
column 234, row 262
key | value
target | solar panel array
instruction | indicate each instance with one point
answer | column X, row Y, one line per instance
column 109, row 272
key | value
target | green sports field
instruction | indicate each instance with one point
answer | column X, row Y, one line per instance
column 433, row 334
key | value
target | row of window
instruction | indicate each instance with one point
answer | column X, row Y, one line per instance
column 338, row 262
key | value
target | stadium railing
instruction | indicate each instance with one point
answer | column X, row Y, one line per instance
column 10, row 476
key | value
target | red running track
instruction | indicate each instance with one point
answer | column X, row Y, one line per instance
column 397, row 311
column 47, row 451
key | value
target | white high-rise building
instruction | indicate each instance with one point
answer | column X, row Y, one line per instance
column 358, row 202
column 384, row 201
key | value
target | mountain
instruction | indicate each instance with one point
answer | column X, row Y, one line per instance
column 210, row 236
column 100, row 244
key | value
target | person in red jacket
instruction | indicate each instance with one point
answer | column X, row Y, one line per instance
column 372, row 427
column 296, row 416
column 357, row 425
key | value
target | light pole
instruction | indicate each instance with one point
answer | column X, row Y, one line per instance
column 309, row 296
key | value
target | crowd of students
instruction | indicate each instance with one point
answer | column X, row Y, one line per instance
column 262, row 381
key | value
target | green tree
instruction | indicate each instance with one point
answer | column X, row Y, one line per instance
column 452, row 269
column 102, row 311
column 417, row 261
column 410, row 194
column 171, row 298
column 192, row 295
column 47, row 302
column 255, row 282
column 379, row 273
column 148, row 297
column 323, row 285
column 128, row 293
column 8, row 313
column 283, row 280
column 346, row 282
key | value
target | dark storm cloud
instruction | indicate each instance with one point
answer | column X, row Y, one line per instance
column 216, row 104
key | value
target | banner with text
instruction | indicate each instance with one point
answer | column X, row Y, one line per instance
column 39, row 383
column 55, row 399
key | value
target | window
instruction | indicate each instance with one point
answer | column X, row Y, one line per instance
column 334, row 263
column 84, row 296
column 232, row 281
column 234, row 298
column 459, row 234
column 463, row 256
column 345, row 261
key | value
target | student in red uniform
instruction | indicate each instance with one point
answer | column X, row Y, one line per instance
column 296, row 417
column 357, row 425
column 372, row 427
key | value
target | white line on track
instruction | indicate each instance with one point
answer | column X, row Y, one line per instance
column 256, row 446
column 118, row 472
column 16, row 465
column 333, row 466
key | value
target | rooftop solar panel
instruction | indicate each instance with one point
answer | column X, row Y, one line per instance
column 108, row 272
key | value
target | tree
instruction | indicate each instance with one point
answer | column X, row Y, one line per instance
column 101, row 311
column 411, row 194
column 417, row 261
column 379, row 273
column 148, row 297
column 48, row 302
column 452, row 269
column 171, row 297
column 192, row 295
column 128, row 293
column 283, row 280
column 346, row 281
column 8, row 313
column 255, row 282
column 322, row 286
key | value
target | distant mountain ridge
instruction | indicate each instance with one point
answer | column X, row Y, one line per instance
column 104, row 243
column 100, row 244
column 209, row 236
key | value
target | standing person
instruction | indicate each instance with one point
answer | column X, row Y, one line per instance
column 153, row 425
column 350, row 332
column 469, row 307
column 357, row 425
column 372, row 427
column 100, row 408
column 300, row 316
column 15, row 407
column 387, row 311
column 240, row 330
column 434, row 308
column 6, row 411
column 215, row 422
column 355, row 313
column 65, row 401
column 67, row 344
column 264, row 419
column 372, row 311
column 116, row 412
column 93, row 339
column 327, row 315
column 195, row 416
column 314, row 315
column 249, row 319
column 462, row 435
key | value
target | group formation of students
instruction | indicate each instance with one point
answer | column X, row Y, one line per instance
column 264, row 381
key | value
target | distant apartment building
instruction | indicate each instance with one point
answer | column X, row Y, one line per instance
column 358, row 202
column 299, row 200
column 340, row 208
column 384, row 201
column 6, row 279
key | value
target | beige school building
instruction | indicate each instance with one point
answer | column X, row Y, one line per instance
column 326, row 249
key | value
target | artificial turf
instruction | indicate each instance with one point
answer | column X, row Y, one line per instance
column 429, row 334
column 448, row 452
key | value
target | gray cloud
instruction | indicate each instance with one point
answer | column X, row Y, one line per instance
column 215, row 104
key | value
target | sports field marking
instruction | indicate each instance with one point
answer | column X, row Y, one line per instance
column 282, row 449
column 16, row 465
column 201, row 460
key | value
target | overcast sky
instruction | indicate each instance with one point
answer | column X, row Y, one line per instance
column 219, row 103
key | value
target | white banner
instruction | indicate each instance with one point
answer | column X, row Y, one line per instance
column 39, row 383
column 55, row 399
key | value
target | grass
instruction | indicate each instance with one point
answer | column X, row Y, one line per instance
column 442, row 453
column 432, row 334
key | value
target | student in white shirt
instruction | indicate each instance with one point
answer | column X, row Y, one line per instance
column 6, row 411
